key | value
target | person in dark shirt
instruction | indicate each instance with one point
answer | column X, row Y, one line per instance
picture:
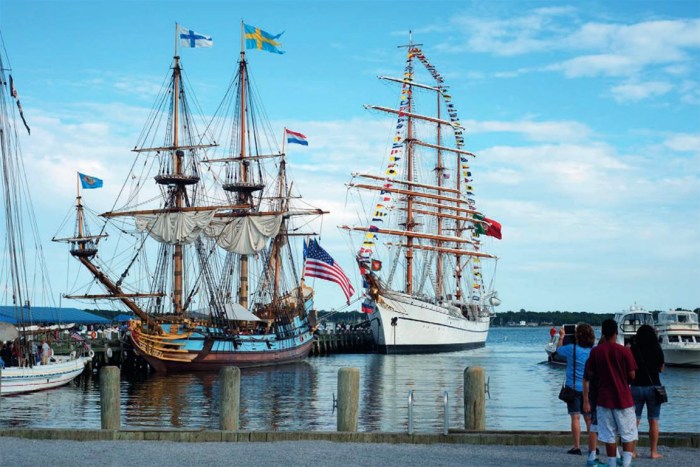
column 614, row 367
column 650, row 362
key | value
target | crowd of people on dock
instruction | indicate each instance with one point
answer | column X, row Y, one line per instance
column 13, row 353
column 610, row 384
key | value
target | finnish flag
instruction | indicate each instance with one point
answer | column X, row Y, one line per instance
column 189, row 38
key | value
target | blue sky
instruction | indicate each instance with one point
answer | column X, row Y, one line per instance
column 585, row 118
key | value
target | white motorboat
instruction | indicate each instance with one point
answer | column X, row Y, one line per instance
column 629, row 321
column 679, row 336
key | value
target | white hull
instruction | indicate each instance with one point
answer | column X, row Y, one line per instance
column 679, row 335
column 682, row 354
column 421, row 327
column 16, row 380
column 552, row 355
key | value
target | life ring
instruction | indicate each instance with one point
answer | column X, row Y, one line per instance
column 93, row 334
column 109, row 352
column 91, row 353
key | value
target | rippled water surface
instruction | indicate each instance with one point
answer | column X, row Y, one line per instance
column 523, row 393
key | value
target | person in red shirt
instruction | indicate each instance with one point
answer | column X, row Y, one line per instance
column 613, row 366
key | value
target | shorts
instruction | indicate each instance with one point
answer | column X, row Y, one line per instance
column 616, row 422
column 594, row 417
column 646, row 395
column 574, row 407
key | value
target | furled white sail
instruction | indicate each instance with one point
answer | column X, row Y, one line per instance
column 174, row 227
column 244, row 235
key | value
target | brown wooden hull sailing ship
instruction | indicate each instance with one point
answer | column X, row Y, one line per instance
column 425, row 227
column 220, row 284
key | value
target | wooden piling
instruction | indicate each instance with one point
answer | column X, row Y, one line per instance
column 348, row 398
column 110, row 398
column 230, row 398
column 474, row 399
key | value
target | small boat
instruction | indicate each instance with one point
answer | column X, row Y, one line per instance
column 60, row 370
column 432, row 295
column 18, row 224
column 629, row 321
column 679, row 336
column 551, row 347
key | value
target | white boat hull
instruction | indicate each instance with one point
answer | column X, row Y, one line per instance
column 681, row 354
column 402, row 324
column 16, row 380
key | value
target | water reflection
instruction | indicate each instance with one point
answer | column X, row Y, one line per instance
column 523, row 393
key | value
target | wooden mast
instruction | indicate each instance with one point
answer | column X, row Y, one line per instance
column 244, row 196
column 440, row 174
column 79, row 208
column 177, row 166
column 409, row 161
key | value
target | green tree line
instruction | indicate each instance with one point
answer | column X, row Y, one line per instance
column 556, row 318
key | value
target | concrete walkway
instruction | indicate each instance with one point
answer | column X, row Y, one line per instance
column 19, row 452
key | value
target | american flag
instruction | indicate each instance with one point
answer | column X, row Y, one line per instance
column 77, row 336
column 320, row 264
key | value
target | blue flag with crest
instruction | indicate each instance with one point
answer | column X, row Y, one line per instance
column 87, row 182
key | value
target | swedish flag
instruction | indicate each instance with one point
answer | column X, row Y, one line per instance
column 256, row 38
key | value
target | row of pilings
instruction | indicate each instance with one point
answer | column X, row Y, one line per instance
column 359, row 340
column 348, row 399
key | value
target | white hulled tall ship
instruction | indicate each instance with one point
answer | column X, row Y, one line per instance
column 431, row 294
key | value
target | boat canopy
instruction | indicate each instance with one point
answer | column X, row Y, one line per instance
column 680, row 316
column 50, row 315
column 8, row 332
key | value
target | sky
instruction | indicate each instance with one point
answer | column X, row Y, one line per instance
column 585, row 118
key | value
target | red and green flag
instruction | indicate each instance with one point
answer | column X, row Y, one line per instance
column 487, row 226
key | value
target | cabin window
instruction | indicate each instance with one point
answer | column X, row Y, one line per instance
column 673, row 339
column 687, row 338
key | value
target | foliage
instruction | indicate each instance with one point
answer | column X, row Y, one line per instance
column 555, row 318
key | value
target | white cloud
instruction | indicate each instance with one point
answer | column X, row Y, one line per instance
column 684, row 142
column 536, row 131
column 661, row 47
column 638, row 91
column 508, row 37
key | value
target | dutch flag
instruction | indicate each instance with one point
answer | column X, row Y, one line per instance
column 297, row 138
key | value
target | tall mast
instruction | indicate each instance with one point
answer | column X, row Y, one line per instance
column 177, row 254
column 79, row 208
column 277, row 245
column 409, row 161
column 245, row 197
column 440, row 174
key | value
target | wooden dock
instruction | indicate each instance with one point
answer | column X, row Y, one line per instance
column 343, row 341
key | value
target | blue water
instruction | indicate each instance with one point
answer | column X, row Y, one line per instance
column 522, row 388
